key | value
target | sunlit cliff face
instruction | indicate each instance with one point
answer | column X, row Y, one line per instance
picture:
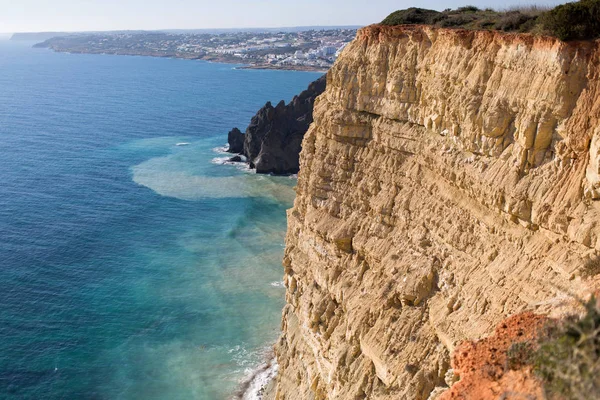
column 446, row 183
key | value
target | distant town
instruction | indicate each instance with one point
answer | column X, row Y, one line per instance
column 311, row 50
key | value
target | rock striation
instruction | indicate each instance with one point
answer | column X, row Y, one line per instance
column 273, row 140
column 449, row 181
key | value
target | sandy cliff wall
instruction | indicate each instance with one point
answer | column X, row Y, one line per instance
column 448, row 181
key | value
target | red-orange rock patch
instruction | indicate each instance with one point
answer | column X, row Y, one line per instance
column 483, row 369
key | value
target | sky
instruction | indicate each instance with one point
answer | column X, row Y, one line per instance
column 102, row 15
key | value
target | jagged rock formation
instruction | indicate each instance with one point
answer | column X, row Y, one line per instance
column 273, row 140
column 449, row 181
column 235, row 139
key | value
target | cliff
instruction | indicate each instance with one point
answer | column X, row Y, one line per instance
column 273, row 140
column 449, row 181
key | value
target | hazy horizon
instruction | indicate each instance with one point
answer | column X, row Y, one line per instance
column 111, row 15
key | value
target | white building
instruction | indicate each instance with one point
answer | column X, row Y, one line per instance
column 327, row 51
column 299, row 55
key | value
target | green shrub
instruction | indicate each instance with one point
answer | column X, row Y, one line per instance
column 574, row 21
column 568, row 358
column 514, row 21
column 486, row 24
column 519, row 354
column 455, row 21
column 412, row 16
column 467, row 9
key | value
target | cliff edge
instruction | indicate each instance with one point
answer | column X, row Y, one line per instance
column 450, row 180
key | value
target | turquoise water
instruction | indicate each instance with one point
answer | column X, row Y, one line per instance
column 130, row 267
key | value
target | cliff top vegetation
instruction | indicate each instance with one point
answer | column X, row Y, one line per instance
column 571, row 21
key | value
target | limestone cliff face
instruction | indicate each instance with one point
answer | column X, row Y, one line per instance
column 449, row 180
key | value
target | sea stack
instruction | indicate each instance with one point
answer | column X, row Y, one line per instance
column 273, row 140
column 235, row 139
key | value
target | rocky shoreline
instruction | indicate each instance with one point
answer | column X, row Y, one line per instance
column 261, row 383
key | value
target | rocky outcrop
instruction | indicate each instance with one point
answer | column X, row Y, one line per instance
column 273, row 140
column 235, row 139
column 494, row 368
column 448, row 181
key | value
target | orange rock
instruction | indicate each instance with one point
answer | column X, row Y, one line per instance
column 482, row 365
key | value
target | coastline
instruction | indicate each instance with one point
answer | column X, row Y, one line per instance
column 211, row 59
column 300, row 68
column 259, row 384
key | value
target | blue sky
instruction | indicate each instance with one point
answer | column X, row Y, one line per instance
column 80, row 15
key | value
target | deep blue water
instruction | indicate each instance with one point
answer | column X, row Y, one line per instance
column 132, row 268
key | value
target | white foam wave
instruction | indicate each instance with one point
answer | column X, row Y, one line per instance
column 221, row 160
column 221, row 149
column 278, row 284
column 256, row 377
column 255, row 388
column 157, row 143
column 242, row 166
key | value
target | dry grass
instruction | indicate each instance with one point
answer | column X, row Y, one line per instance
column 529, row 9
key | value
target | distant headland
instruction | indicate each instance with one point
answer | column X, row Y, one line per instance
column 282, row 48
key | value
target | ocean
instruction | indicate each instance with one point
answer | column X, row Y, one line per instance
column 133, row 263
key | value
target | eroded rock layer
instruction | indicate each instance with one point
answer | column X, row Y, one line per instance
column 448, row 181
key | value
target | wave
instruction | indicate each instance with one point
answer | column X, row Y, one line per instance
column 240, row 165
column 221, row 149
column 257, row 381
column 221, row 160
